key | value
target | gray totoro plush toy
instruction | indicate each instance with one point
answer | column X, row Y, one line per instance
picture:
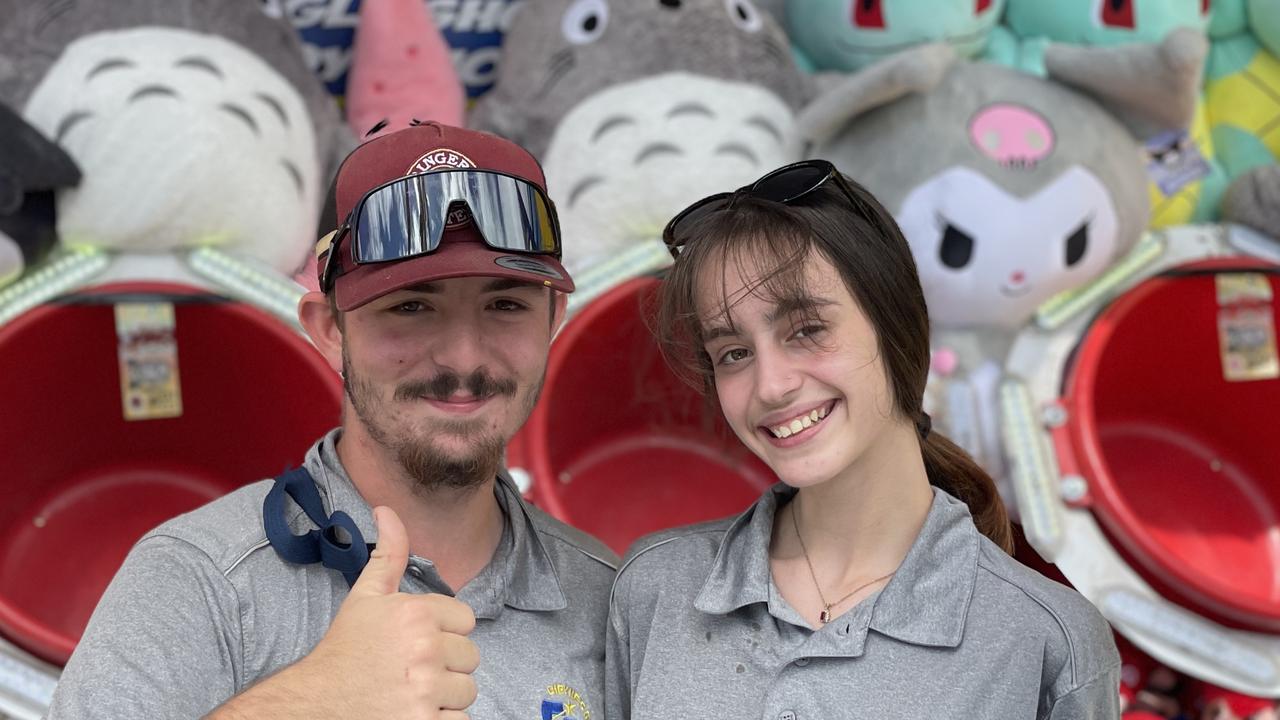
column 1010, row 189
column 194, row 122
column 637, row 109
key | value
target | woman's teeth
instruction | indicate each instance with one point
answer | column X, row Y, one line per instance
column 799, row 423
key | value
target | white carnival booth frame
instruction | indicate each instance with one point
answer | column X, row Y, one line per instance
column 1071, row 537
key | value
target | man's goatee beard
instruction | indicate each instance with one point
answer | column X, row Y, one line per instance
column 430, row 468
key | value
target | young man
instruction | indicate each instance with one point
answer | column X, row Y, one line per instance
column 442, row 290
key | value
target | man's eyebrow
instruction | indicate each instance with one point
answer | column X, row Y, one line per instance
column 500, row 284
column 428, row 288
column 495, row 285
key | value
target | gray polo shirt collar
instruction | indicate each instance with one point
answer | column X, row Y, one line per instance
column 520, row 575
column 925, row 603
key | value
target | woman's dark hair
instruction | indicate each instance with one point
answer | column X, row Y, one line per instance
column 772, row 242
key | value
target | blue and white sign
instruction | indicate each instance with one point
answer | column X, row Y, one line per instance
column 473, row 28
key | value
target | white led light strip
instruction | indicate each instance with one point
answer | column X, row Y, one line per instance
column 272, row 292
column 644, row 257
column 56, row 277
column 1033, row 467
column 1057, row 310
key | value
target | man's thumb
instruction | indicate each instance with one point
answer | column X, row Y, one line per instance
column 389, row 559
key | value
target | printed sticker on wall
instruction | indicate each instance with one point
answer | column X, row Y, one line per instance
column 1236, row 288
column 148, row 353
column 1174, row 161
column 1247, row 340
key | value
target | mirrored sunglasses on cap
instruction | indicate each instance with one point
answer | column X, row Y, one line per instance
column 787, row 184
column 407, row 217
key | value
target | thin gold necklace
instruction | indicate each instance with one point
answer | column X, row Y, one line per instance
column 825, row 616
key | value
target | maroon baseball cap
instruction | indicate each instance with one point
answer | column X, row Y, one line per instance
column 462, row 253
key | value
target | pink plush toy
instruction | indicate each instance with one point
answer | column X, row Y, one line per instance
column 401, row 69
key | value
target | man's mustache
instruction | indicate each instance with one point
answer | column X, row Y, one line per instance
column 479, row 384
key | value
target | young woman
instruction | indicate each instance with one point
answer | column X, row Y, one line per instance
column 874, row 581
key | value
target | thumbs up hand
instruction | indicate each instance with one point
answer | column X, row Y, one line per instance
column 396, row 655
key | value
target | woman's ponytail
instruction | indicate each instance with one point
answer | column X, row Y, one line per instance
column 952, row 469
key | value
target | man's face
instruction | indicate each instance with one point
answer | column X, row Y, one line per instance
column 443, row 374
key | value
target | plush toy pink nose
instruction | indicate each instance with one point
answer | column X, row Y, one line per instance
column 1012, row 135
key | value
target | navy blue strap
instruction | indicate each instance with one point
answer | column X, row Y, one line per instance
column 320, row 545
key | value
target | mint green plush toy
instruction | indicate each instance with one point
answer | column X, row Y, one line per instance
column 1242, row 83
column 1242, row 94
column 844, row 35
column 1187, row 180
column 1030, row 24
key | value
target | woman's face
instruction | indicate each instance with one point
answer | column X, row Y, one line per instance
column 806, row 391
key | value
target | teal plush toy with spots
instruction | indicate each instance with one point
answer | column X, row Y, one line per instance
column 1187, row 181
column 849, row 35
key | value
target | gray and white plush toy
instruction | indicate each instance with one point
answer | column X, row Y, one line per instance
column 638, row 108
column 194, row 122
column 1010, row 189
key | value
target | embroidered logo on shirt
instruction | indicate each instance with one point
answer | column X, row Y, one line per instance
column 562, row 702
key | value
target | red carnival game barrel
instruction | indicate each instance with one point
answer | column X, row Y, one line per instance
column 618, row 445
column 124, row 406
column 1174, row 407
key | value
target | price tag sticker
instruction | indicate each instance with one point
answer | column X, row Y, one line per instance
column 1238, row 288
column 148, row 353
column 1247, row 341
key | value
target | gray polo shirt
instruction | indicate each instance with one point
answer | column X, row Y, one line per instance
column 698, row 629
column 203, row 607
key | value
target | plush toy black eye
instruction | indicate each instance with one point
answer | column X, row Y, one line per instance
column 1077, row 244
column 957, row 247
column 585, row 21
column 744, row 15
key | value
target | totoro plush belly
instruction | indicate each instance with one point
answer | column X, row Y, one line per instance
column 625, row 160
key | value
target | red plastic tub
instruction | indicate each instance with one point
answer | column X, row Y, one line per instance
column 619, row 446
column 1183, row 465
column 82, row 484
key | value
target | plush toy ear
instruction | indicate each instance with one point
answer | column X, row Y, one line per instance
column 1253, row 199
column 916, row 70
column 1151, row 87
column 33, row 161
column 32, row 169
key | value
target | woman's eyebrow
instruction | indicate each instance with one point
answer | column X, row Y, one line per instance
column 716, row 332
column 792, row 305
